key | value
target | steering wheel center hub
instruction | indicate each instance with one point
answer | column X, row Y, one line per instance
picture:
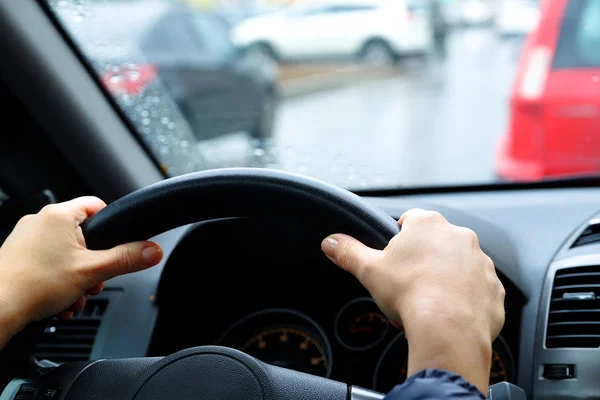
column 208, row 373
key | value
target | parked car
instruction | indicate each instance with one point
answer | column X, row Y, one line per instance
column 555, row 105
column 476, row 12
column 217, row 88
column 376, row 31
column 516, row 17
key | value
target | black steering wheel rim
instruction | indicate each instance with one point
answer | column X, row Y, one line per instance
column 236, row 192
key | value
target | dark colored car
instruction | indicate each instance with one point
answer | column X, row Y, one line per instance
column 218, row 89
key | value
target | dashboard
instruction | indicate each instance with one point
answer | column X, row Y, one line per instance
column 264, row 287
column 283, row 302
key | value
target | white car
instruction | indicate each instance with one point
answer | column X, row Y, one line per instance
column 517, row 17
column 476, row 12
column 376, row 31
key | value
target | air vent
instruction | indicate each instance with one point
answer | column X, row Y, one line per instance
column 590, row 235
column 72, row 340
column 574, row 316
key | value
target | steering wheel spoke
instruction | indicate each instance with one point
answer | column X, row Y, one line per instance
column 208, row 373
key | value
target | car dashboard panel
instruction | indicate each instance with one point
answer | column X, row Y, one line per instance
column 272, row 294
column 264, row 286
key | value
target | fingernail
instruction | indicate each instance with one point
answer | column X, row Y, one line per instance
column 151, row 255
column 331, row 242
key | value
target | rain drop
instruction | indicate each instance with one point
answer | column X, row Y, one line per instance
column 164, row 120
column 146, row 121
column 259, row 152
column 171, row 125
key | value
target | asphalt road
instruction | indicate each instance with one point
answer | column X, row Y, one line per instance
column 429, row 124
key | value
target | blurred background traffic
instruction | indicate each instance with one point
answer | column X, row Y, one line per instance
column 366, row 94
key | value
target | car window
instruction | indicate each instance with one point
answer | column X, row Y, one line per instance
column 343, row 9
column 172, row 34
column 213, row 36
column 579, row 43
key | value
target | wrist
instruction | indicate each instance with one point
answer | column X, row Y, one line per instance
column 11, row 319
column 444, row 344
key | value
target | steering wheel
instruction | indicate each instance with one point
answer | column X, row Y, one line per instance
column 212, row 372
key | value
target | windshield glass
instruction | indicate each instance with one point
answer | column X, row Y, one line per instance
column 366, row 94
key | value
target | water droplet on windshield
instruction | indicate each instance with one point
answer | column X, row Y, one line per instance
column 164, row 120
column 171, row 125
column 184, row 144
column 145, row 113
column 146, row 121
column 259, row 152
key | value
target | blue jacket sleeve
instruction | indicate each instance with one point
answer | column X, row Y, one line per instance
column 435, row 384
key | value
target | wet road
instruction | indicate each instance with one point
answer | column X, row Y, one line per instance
column 430, row 124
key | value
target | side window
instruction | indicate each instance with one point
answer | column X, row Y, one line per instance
column 213, row 36
column 579, row 40
column 588, row 34
column 344, row 9
column 171, row 35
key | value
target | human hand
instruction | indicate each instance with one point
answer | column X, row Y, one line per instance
column 434, row 280
column 45, row 268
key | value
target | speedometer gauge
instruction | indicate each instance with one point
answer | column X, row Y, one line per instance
column 360, row 325
column 392, row 367
column 284, row 338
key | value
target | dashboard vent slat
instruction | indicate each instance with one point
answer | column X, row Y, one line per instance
column 574, row 315
column 590, row 235
column 73, row 340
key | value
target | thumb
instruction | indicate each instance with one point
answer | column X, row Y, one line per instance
column 351, row 255
column 123, row 259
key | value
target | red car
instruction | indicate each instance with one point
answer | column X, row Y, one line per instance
column 554, row 128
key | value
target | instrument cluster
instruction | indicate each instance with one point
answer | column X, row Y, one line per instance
column 291, row 339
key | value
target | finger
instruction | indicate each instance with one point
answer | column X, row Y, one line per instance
column 83, row 207
column 412, row 212
column 418, row 214
column 350, row 254
column 124, row 259
column 78, row 305
column 396, row 325
column 96, row 289
column 65, row 315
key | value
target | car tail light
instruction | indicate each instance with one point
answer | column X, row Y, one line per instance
column 536, row 73
column 130, row 79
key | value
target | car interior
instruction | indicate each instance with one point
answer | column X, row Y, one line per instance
column 164, row 332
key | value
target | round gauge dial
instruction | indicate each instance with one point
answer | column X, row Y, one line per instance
column 360, row 325
column 392, row 367
column 284, row 338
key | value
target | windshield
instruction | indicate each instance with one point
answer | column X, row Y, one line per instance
column 365, row 94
